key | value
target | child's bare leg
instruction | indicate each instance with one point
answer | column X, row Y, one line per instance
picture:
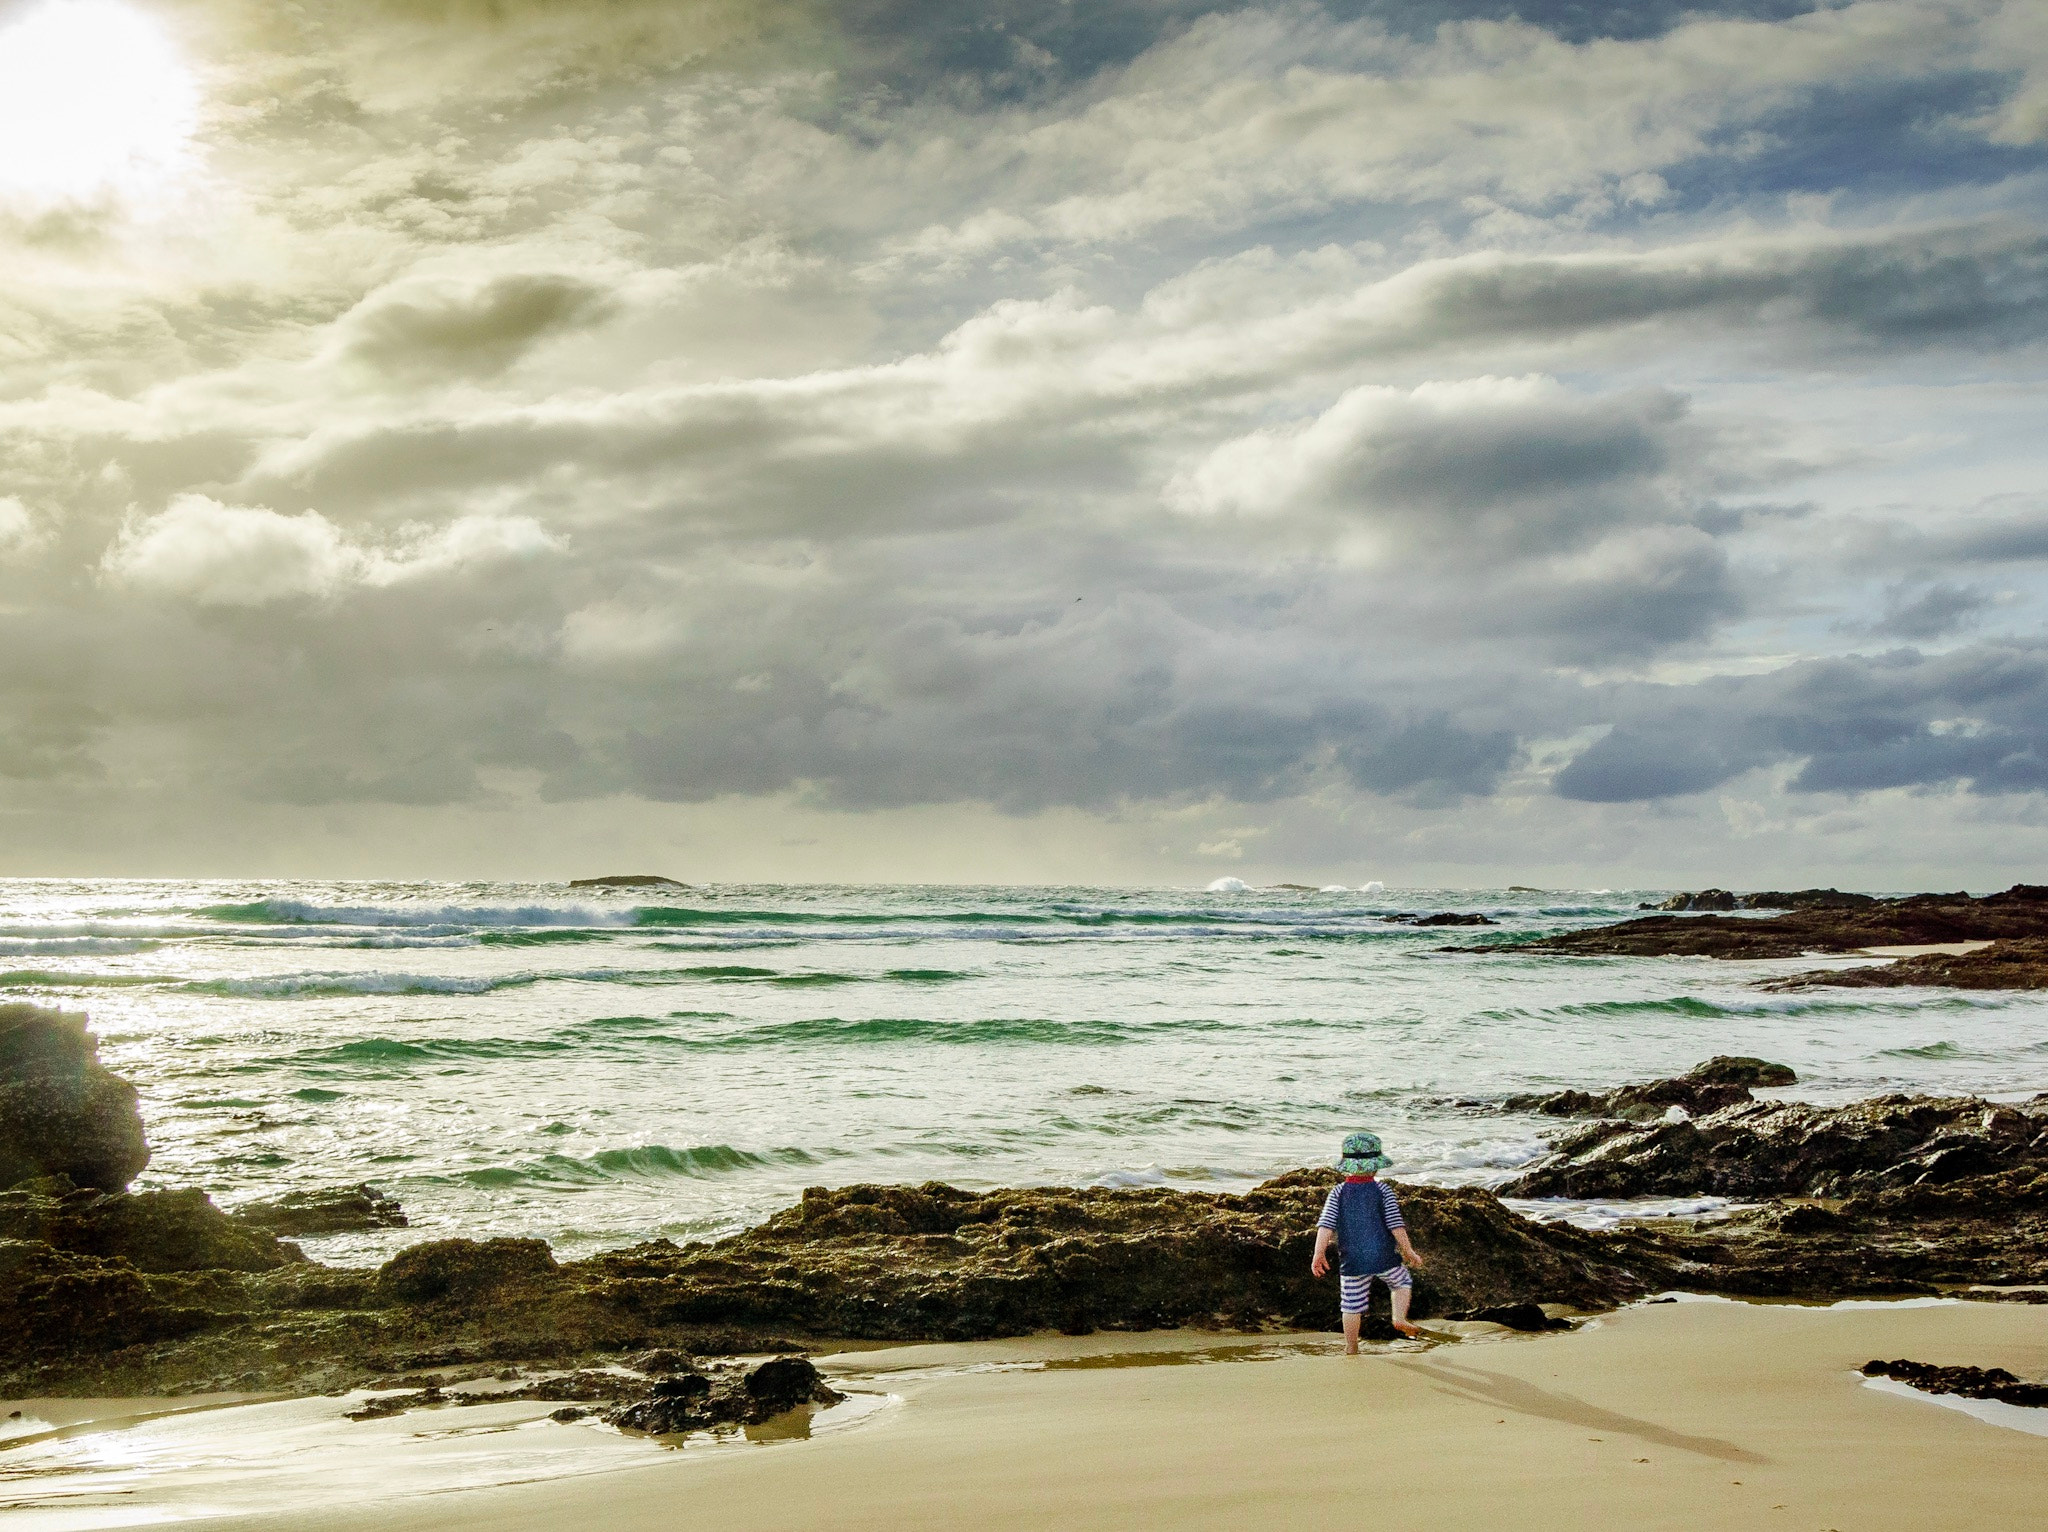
column 1351, row 1324
column 1399, row 1296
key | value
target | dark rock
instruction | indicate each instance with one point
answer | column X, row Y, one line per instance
column 1517, row 1316
column 1440, row 918
column 695, row 1402
column 1705, row 899
column 461, row 1270
column 785, row 1383
column 1919, row 920
column 63, row 1113
column 1966, row 1382
column 1809, row 899
column 627, row 880
column 1740, row 1069
column 660, row 1363
column 2021, row 963
column 54, row 1301
column 152, row 1231
column 569, row 1412
column 329, row 1210
column 1720, row 1082
column 1780, row 1149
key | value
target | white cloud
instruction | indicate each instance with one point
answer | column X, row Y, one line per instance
column 18, row 531
column 232, row 555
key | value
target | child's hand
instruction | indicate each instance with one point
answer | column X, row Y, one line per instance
column 1414, row 1259
column 1320, row 1265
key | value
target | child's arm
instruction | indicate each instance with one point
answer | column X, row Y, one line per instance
column 1398, row 1227
column 1407, row 1249
column 1319, row 1264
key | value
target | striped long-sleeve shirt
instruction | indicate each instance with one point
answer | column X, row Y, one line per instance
column 1392, row 1207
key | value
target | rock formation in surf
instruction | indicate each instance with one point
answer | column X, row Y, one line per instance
column 1919, row 920
column 1721, row 1081
column 325, row 1210
column 62, row 1112
column 2021, row 963
column 1761, row 1149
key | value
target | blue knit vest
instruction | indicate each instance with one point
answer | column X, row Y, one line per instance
column 1366, row 1244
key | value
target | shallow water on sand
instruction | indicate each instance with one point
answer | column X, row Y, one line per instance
column 598, row 1068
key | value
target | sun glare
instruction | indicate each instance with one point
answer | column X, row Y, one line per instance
column 94, row 100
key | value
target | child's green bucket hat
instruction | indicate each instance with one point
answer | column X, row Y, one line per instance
column 1362, row 1155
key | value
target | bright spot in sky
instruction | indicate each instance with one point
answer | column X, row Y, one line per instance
column 93, row 99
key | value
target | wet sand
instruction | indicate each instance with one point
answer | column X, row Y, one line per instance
column 1696, row 1415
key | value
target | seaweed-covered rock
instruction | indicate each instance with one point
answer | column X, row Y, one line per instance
column 934, row 1262
column 55, row 1301
column 327, row 1210
column 1721, row 1081
column 462, row 1270
column 1779, row 1149
column 1964, row 1382
column 2021, row 963
column 696, row 1402
column 1919, row 920
column 63, row 1113
column 152, row 1231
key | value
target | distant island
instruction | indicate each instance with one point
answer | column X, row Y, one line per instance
column 627, row 880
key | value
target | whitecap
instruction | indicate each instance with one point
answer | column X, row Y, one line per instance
column 1228, row 886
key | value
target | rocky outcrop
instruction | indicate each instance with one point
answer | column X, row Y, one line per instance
column 627, row 880
column 1964, row 1382
column 1720, row 1082
column 697, row 1401
column 328, row 1210
column 1919, row 920
column 2019, row 964
column 1802, row 899
column 929, row 1262
column 162, row 1231
column 1441, row 918
column 465, row 1270
column 1790, row 1149
column 63, row 1113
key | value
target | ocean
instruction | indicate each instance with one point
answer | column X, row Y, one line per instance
column 598, row 1068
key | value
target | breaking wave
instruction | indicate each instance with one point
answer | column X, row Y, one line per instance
column 652, row 1162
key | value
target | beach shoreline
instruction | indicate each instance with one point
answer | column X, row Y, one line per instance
column 1696, row 1414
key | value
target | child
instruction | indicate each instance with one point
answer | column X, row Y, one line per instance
column 1365, row 1220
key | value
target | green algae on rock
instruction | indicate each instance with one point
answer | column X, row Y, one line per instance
column 62, row 1112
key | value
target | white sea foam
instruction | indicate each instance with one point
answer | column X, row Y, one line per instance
column 1610, row 1214
column 60, row 946
column 453, row 916
column 1228, row 886
column 1993, row 1412
column 1374, row 887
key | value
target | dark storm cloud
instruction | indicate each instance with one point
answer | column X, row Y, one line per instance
column 1932, row 612
column 442, row 328
column 1979, row 284
column 1977, row 716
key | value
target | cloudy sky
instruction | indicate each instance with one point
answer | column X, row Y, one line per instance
column 1593, row 442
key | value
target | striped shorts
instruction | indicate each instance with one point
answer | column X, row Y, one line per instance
column 1354, row 1291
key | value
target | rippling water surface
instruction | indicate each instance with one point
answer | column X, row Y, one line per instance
column 598, row 1068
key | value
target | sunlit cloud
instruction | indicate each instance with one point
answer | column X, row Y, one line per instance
column 94, row 101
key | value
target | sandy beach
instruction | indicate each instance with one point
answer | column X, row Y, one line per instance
column 1694, row 1415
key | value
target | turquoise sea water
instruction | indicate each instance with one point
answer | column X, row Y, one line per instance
column 600, row 1068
